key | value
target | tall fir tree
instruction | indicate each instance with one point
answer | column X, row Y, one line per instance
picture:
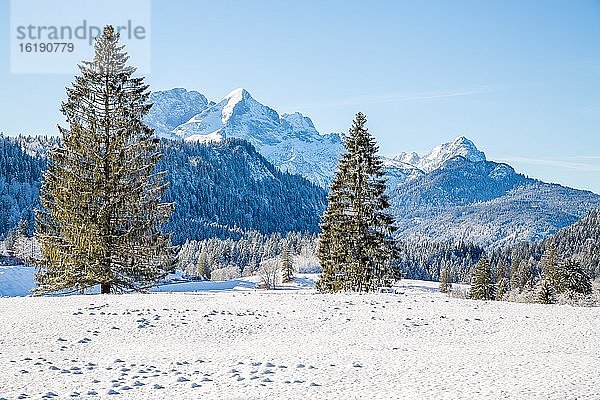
column 445, row 284
column 355, row 247
column 287, row 268
column 502, row 281
column 551, row 270
column 546, row 294
column 101, row 196
column 203, row 266
column 482, row 282
column 575, row 279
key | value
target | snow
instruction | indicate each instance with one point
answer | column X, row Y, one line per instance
column 207, row 138
column 461, row 146
column 232, row 99
column 295, row 344
column 16, row 280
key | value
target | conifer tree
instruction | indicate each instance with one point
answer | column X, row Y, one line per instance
column 575, row 278
column 551, row 270
column 203, row 266
column 546, row 292
column 287, row 268
column 101, row 196
column 502, row 281
column 482, row 283
column 444, row 280
column 355, row 248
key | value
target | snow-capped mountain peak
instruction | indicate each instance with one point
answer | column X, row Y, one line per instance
column 231, row 100
column 461, row 146
column 289, row 141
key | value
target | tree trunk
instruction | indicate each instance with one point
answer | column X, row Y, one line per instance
column 105, row 288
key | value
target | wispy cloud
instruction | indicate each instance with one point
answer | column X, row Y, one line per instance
column 559, row 163
column 387, row 98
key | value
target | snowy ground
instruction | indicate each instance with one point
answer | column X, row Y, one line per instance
column 295, row 344
column 16, row 280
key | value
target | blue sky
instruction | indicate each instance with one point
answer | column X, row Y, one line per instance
column 519, row 78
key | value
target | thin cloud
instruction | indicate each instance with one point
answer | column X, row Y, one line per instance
column 388, row 98
column 572, row 165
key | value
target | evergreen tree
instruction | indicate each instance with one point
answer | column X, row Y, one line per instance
column 444, row 280
column 575, row 278
column 287, row 268
column 502, row 281
column 550, row 268
column 482, row 283
column 203, row 266
column 101, row 196
column 355, row 248
column 546, row 293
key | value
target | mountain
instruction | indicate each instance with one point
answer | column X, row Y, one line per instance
column 20, row 177
column 225, row 188
column 580, row 241
column 436, row 158
column 409, row 165
column 220, row 189
column 459, row 195
column 172, row 108
column 289, row 141
column 451, row 193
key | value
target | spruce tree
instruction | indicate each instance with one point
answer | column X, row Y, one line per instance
column 551, row 270
column 203, row 266
column 502, row 281
column 444, row 280
column 287, row 268
column 575, row 278
column 546, row 293
column 101, row 196
column 482, row 283
column 355, row 247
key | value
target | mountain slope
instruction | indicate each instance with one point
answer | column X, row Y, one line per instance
column 20, row 177
column 219, row 189
column 484, row 202
column 289, row 141
column 172, row 108
column 224, row 188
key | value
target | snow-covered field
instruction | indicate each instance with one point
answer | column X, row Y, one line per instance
column 242, row 343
